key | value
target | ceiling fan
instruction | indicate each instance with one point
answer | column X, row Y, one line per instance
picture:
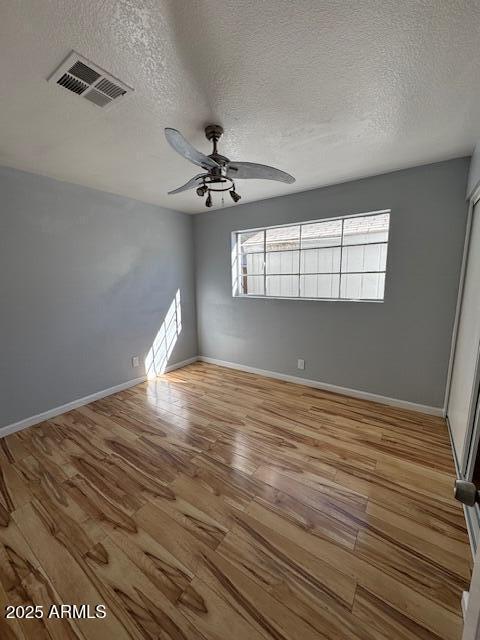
column 220, row 172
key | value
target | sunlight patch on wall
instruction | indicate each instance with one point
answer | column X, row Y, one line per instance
column 235, row 267
column 157, row 358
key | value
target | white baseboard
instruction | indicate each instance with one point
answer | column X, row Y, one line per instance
column 80, row 402
column 354, row 393
column 464, row 603
column 56, row 411
column 179, row 365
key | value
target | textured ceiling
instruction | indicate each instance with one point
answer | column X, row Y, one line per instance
column 326, row 90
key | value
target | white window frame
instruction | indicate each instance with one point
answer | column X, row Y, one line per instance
column 235, row 264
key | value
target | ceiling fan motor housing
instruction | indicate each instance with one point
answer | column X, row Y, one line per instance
column 213, row 132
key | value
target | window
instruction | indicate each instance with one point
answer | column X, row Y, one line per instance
column 335, row 259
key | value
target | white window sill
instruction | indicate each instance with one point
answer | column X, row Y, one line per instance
column 258, row 297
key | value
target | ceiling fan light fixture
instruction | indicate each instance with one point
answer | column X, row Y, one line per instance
column 201, row 191
column 235, row 196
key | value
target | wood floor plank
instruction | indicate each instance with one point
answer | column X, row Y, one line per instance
column 418, row 477
column 441, row 515
column 314, row 591
column 16, row 557
column 12, row 448
column 412, row 569
column 9, row 629
column 37, row 590
column 319, row 522
column 19, row 629
column 235, row 487
column 14, row 489
column 244, row 462
column 324, row 487
column 394, row 592
column 211, row 503
column 252, row 602
column 66, row 571
column 205, row 515
column 284, row 562
column 48, row 443
column 451, row 553
column 143, row 610
column 213, row 616
column 98, row 507
column 172, row 537
column 385, row 622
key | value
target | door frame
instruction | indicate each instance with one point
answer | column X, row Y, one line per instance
column 464, row 460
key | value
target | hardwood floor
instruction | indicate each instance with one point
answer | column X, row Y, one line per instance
column 213, row 504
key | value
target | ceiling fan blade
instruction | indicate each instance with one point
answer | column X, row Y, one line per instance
column 252, row 170
column 185, row 149
column 191, row 184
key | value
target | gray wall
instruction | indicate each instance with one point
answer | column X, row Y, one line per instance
column 399, row 348
column 85, row 281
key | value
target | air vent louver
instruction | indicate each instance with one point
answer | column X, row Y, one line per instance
column 72, row 84
column 97, row 98
column 83, row 72
column 112, row 90
column 78, row 75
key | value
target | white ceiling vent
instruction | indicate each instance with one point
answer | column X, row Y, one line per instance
column 79, row 75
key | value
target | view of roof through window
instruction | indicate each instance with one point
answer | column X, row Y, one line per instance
column 342, row 258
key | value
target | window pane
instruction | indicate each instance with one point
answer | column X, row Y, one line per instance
column 321, row 234
column 250, row 242
column 366, row 229
column 252, row 285
column 320, row 260
column 282, row 286
column 252, row 264
column 282, row 262
column 364, row 257
column 319, row 286
column 281, row 238
column 342, row 258
column 363, row 286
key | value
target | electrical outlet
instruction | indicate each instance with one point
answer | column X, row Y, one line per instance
column 135, row 361
column 300, row 363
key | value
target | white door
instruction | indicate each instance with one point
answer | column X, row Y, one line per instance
column 464, row 382
column 468, row 493
column 463, row 413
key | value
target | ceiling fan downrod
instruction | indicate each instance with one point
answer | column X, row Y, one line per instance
column 213, row 133
column 216, row 176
